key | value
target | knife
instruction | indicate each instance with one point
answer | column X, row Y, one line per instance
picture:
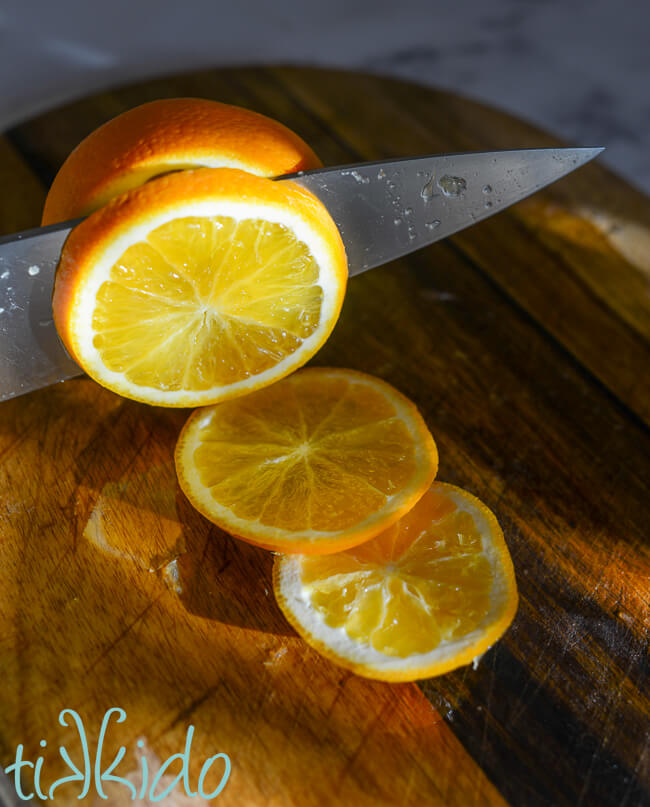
column 384, row 210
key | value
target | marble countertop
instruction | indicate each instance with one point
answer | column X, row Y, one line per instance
column 578, row 68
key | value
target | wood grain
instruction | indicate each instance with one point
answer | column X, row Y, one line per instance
column 560, row 287
column 524, row 341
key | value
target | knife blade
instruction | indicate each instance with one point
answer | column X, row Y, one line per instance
column 384, row 210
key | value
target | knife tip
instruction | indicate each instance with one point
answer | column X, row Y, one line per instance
column 592, row 151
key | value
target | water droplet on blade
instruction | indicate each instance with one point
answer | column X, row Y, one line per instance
column 427, row 192
column 487, row 189
column 452, row 186
column 33, row 270
column 432, row 225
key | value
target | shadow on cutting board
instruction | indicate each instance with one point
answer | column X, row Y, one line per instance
column 129, row 507
column 223, row 578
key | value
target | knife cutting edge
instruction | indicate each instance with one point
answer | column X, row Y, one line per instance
column 384, row 210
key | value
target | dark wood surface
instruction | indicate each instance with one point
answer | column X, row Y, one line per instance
column 523, row 340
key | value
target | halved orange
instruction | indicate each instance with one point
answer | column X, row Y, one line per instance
column 321, row 461
column 200, row 286
column 171, row 135
column 429, row 594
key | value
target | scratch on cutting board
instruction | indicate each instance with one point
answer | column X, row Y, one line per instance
column 351, row 760
column 602, row 744
column 189, row 710
column 119, row 638
column 574, row 637
column 634, row 779
column 438, row 295
column 409, row 786
column 487, row 712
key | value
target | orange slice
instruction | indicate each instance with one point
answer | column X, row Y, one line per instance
column 200, row 286
column 171, row 135
column 429, row 594
column 319, row 462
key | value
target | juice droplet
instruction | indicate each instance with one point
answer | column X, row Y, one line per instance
column 452, row 186
column 397, row 221
column 33, row 270
column 4, row 275
column 381, row 174
column 488, row 204
column 408, row 211
column 487, row 189
column 432, row 225
column 171, row 576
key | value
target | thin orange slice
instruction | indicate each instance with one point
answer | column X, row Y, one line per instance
column 429, row 594
column 200, row 286
column 171, row 134
column 321, row 461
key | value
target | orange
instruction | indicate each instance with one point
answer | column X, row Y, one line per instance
column 431, row 593
column 171, row 135
column 323, row 460
column 200, row 286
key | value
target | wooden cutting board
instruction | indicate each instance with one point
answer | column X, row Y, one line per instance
column 523, row 340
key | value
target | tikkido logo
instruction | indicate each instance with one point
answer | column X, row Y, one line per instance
column 141, row 784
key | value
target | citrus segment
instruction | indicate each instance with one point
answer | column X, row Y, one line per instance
column 429, row 594
column 171, row 135
column 320, row 461
column 200, row 286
